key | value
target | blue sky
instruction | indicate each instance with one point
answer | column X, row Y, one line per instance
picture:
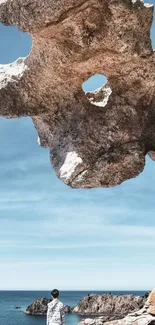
column 54, row 236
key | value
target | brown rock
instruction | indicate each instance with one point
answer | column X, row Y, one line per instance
column 128, row 320
column 109, row 306
column 144, row 316
column 39, row 307
column 151, row 302
column 93, row 142
column 152, row 155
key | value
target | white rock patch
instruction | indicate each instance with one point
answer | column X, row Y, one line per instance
column 71, row 162
column 38, row 141
column 11, row 72
column 148, row 5
column 134, row 1
column 104, row 94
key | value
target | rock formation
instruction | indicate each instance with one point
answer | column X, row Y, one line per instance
column 97, row 139
column 109, row 306
column 151, row 302
column 146, row 319
column 17, row 307
column 39, row 307
column 141, row 317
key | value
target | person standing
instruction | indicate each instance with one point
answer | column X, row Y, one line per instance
column 55, row 311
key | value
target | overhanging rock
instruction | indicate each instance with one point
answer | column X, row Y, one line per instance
column 97, row 139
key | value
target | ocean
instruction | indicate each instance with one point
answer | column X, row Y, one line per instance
column 10, row 299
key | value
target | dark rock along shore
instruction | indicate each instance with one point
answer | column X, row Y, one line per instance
column 111, row 306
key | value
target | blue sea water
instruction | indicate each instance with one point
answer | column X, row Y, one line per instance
column 10, row 299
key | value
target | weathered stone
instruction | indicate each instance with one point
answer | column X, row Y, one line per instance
column 39, row 307
column 128, row 320
column 151, row 302
column 152, row 155
column 95, row 140
column 109, row 306
column 144, row 316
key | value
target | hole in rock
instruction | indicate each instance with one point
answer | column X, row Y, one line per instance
column 13, row 44
column 95, row 91
column 94, row 82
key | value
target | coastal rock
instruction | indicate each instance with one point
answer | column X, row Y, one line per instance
column 151, row 302
column 128, row 320
column 98, row 139
column 109, row 306
column 39, row 307
column 144, row 316
column 17, row 307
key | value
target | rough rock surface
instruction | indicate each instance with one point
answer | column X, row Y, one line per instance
column 95, row 140
column 39, row 307
column 144, row 316
column 151, row 302
column 109, row 306
column 145, row 319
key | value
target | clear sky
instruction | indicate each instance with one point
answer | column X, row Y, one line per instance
column 54, row 236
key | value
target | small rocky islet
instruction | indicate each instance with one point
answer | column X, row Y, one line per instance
column 109, row 309
column 39, row 307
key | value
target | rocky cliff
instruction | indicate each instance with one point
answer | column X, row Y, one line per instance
column 109, row 306
column 144, row 316
column 98, row 139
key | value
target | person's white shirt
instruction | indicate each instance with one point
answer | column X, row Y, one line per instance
column 55, row 313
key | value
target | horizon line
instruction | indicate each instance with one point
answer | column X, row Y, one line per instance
column 72, row 290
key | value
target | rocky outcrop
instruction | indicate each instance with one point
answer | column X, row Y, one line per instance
column 128, row 320
column 151, row 303
column 140, row 317
column 98, row 139
column 109, row 306
column 39, row 307
column 17, row 307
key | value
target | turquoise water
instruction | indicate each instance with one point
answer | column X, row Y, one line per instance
column 11, row 316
